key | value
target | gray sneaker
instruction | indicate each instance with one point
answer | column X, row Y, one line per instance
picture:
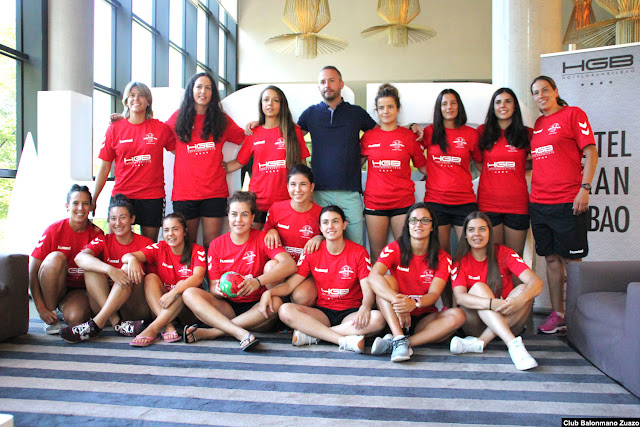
column 54, row 328
column 382, row 345
column 401, row 350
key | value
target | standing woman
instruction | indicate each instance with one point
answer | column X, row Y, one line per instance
column 179, row 265
column 407, row 297
column 503, row 193
column 483, row 287
column 450, row 146
column 136, row 144
column 294, row 224
column 199, row 180
column 343, row 313
column 108, row 283
column 388, row 150
column 276, row 145
column 55, row 281
column 560, row 188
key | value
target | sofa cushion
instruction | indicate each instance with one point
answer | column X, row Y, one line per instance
column 605, row 307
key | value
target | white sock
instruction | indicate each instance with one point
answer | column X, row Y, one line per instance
column 398, row 337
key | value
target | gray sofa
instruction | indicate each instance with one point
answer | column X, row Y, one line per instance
column 14, row 295
column 603, row 317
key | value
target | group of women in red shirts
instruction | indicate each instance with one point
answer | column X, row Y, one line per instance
column 332, row 293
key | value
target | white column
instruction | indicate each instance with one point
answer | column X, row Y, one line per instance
column 71, row 46
column 522, row 30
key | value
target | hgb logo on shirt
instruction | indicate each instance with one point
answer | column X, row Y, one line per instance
column 137, row 160
column 272, row 165
column 543, row 151
column 333, row 293
column 501, row 166
column 386, row 164
column 201, row 147
column 447, row 160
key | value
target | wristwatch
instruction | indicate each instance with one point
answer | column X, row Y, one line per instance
column 586, row 186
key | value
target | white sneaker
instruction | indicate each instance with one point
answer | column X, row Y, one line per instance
column 353, row 343
column 520, row 356
column 299, row 339
column 401, row 349
column 382, row 345
column 54, row 328
column 466, row 345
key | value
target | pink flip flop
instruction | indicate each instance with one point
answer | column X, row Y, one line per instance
column 143, row 341
column 170, row 337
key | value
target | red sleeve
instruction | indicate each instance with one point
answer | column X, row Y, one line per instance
column 96, row 246
column 513, row 261
column 364, row 264
column 582, row 131
column 426, row 137
column 43, row 248
column 269, row 223
column 476, row 153
column 152, row 253
column 171, row 146
column 168, row 137
column 304, row 267
column 198, row 257
column 246, row 150
column 457, row 275
column 390, row 256
column 418, row 155
column 233, row 133
column 444, row 266
column 214, row 266
column 304, row 151
column 271, row 253
column 107, row 153
column 364, row 143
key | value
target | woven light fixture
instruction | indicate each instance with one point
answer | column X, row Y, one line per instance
column 624, row 28
column 306, row 18
column 398, row 32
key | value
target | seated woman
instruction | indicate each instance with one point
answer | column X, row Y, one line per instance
column 108, row 283
column 342, row 314
column 406, row 297
column 294, row 225
column 483, row 288
column 55, row 281
column 243, row 251
column 179, row 265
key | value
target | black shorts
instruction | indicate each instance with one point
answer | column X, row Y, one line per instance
column 336, row 316
column 557, row 230
column 513, row 221
column 452, row 214
column 387, row 212
column 261, row 217
column 241, row 307
column 208, row 208
column 148, row 212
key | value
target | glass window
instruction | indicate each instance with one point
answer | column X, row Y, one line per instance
column 141, row 55
column 176, row 22
column 201, row 54
column 8, row 24
column 6, row 186
column 176, row 74
column 8, row 153
column 222, row 41
column 102, row 42
column 102, row 108
column 144, row 10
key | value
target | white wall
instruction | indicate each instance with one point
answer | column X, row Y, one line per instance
column 460, row 51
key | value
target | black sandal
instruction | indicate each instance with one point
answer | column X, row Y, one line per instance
column 249, row 344
column 185, row 334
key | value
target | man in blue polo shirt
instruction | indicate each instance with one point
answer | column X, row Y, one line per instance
column 335, row 127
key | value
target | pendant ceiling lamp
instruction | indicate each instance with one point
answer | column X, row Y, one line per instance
column 624, row 28
column 306, row 18
column 398, row 32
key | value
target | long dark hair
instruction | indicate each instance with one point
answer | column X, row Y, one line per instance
column 215, row 120
column 561, row 102
column 439, row 136
column 494, row 279
column 188, row 247
column 286, row 125
column 516, row 133
column 404, row 241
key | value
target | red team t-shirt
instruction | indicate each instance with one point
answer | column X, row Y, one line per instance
column 448, row 174
column 337, row 277
column 295, row 228
column 269, row 180
column 137, row 151
column 61, row 238
column 247, row 259
column 503, row 185
column 389, row 183
column 415, row 279
column 110, row 251
column 198, row 173
column 168, row 266
column 556, row 150
column 468, row 271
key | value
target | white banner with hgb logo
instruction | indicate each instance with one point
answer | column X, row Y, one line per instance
column 605, row 83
